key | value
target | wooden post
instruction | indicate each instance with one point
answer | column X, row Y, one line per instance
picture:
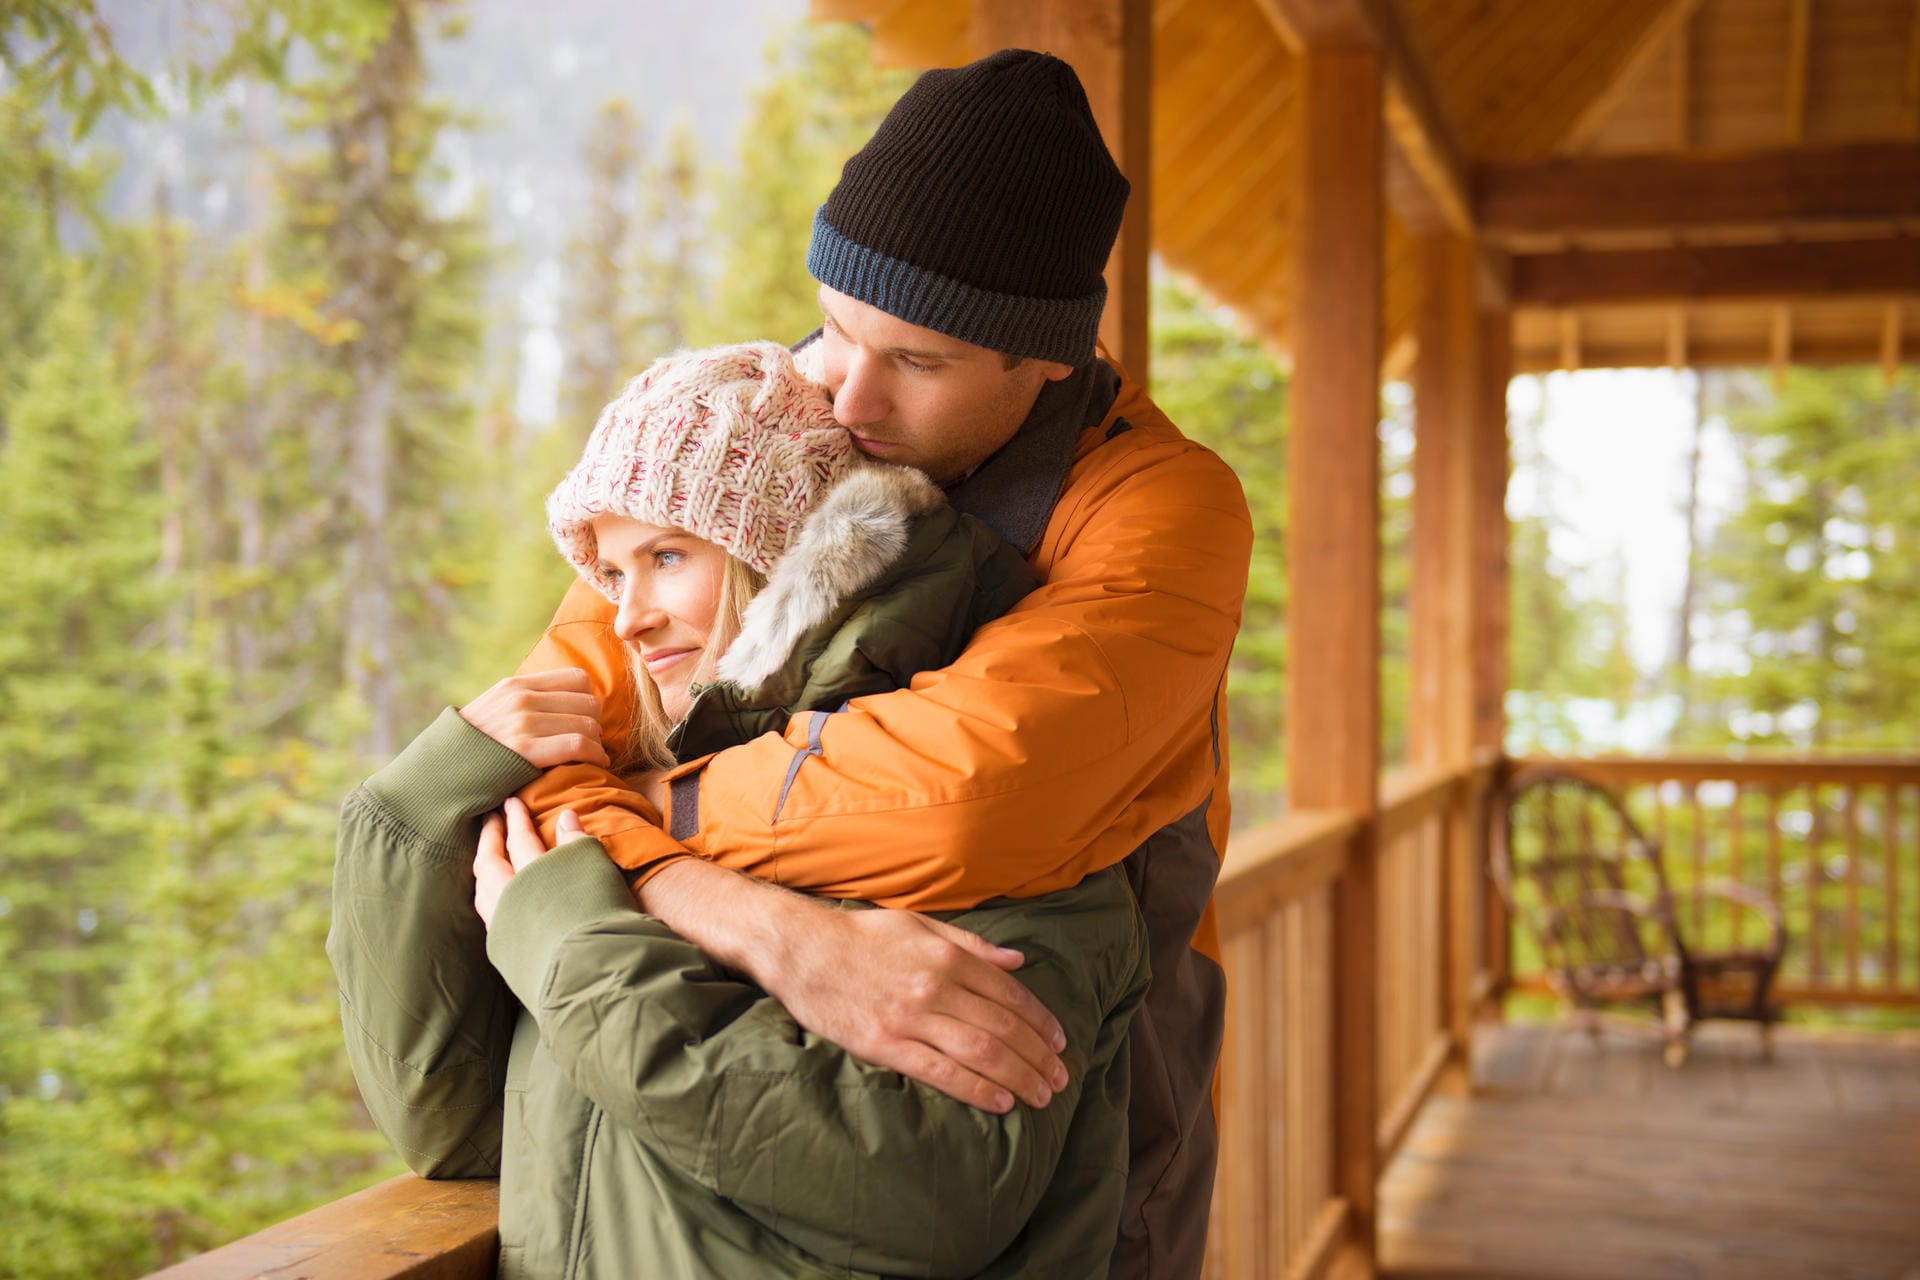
column 1333, row 667
column 1446, row 377
column 1109, row 43
column 1445, row 371
column 1491, row 593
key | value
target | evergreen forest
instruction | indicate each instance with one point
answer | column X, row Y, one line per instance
column 270, row 495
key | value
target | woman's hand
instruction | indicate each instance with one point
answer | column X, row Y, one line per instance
column 549, row 717
column 507, row 845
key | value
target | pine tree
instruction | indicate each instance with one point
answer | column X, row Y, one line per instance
column 672, row 253
column 79, row 654
column 1819, row 567
column 600, row 332
column 524, row 575
column 208, row 1098
column 396, row 325
column 822, row 101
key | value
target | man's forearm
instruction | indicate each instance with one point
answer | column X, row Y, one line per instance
column 735, row 919
column 894, row 988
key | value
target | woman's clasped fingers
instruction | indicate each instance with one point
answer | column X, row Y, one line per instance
column 523, row 840
column 491, row 870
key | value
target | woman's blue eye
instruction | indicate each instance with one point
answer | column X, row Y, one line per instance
column 668, row 559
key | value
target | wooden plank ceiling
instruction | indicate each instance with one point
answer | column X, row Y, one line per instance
column 1525, row 95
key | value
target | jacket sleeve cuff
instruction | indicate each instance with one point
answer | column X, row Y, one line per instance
column 556, row 894
column 447, row 776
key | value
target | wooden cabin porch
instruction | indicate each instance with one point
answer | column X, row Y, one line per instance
column 1588, row 1158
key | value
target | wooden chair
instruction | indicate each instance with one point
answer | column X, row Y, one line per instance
column 1591, row 889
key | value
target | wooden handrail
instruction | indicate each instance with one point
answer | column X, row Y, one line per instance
column 405, row 1228
column 1828, row 770
column 1409, row 796
column 1271, row 865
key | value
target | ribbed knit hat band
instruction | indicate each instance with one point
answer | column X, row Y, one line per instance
column 984, row 208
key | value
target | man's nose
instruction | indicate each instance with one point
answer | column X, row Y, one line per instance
column 860, row 398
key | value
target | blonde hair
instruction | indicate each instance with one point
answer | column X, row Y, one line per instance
column 645, row 748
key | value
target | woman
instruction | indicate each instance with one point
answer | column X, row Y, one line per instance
column 646, row 1113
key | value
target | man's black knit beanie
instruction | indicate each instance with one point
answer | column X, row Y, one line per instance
column 983, row 208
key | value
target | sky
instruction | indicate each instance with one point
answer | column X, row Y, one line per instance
column 1616, row 443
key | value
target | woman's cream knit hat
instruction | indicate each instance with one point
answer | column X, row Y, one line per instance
column 731, row 444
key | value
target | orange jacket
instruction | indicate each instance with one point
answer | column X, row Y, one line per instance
column 1068, row 732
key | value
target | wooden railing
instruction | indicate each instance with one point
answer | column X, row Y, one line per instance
column 1275, row 1208
column 1835, row 844
column 403, row 1229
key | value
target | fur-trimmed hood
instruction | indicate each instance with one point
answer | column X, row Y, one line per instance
column 852, row 538
column 884, row 581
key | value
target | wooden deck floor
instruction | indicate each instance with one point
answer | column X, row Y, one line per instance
column 1583, row 1159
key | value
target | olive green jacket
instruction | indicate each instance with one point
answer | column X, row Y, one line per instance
column 650, row 1115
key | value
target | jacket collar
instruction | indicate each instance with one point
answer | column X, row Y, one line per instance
column 1013, row 491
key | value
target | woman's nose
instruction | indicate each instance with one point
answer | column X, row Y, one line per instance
column 636, row 616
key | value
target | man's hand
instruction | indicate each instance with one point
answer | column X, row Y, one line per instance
column 549, row 717
column 507, row 844
column 893, row 988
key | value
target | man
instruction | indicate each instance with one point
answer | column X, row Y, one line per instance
column 960, row 261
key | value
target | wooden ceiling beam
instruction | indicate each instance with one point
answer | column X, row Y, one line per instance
column 1825, row 268
column 1859, row 182
column 1430, row 182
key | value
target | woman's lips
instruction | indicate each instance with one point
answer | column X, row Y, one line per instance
column 664, row 659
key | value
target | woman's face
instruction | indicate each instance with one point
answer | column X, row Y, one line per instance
column 668, row 584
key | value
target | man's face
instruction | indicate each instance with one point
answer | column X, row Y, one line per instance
column 919, row 398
